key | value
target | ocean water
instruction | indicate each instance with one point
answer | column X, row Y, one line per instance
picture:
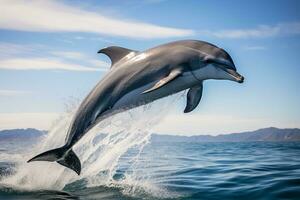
column 119, row 161
column 179, row 170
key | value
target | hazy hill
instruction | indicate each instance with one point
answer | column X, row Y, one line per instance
column 28, row 133
column 265, row 134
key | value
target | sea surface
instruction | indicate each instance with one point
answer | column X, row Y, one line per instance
column 120, row 161
column 160, row 170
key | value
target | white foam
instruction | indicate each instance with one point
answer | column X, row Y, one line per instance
column 99, row 151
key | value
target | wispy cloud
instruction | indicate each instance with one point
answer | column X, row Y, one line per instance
column 69, row 54
column 10, row 93
column 12, row 49
column 93, row 38
column 73, row 55
column 42, row 64
column 99, row 63
column 255, row 48
column 38, row 57
column 54, row 16
column 262, row 31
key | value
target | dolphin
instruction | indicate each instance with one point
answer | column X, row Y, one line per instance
column 140, row 77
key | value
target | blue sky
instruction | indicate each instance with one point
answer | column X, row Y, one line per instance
column 48, row 58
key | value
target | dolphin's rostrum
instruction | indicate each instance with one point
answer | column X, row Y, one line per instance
column 137, row 78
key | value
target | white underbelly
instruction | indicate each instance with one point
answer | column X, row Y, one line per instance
column 136, row 97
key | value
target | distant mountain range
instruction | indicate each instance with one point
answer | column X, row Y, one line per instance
column 265, row 134
column 13, row 134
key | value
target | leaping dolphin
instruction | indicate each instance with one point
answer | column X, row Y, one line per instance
column 137, row 78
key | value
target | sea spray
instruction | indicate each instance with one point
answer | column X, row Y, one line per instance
column 40, row 175
column 99, row 151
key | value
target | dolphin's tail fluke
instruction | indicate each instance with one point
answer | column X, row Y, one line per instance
column 61, row 155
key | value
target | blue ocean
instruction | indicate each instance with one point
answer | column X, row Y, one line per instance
column 122, row 159
column 161, row 170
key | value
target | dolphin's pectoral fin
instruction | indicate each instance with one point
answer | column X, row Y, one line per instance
column 175, row 73
column 193, row 98
column 116, row 53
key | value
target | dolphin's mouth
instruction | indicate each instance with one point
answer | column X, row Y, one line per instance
column 238, row 78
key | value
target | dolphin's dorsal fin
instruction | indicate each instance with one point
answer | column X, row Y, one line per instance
column 172, row 75
column 193, row 98
column 116, row 53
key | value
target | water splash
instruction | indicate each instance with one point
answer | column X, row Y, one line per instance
column 99, row 151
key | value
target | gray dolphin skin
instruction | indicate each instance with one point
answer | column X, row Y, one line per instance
column 137, row 78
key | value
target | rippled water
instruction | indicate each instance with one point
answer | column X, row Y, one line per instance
column 180, row 170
